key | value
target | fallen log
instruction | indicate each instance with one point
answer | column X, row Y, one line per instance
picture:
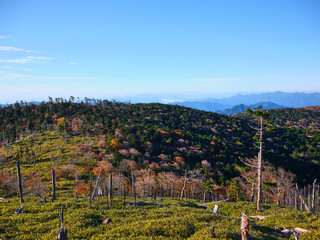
column 295, row 232
column 301, row 230
column 259, row 217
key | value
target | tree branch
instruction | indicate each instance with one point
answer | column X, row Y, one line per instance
column 248, row 164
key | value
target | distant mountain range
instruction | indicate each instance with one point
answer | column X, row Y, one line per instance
column 241, row 108
column 281, row 98
column 204, row 105
column 232, row 105
column 239, row 103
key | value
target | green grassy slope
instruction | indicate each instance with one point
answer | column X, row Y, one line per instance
column 175, row 220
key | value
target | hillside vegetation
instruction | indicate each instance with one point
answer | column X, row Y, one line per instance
column 146, row 151
column 174, row 220
column 164, row 135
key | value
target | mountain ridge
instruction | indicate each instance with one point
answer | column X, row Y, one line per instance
column 241, row 108
column 283, row 99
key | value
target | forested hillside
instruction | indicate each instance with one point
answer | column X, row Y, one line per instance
column 147, row 151
column 164, row 137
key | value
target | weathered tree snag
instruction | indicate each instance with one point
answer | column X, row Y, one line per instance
column 19, row 183
column 110, row 189
column 259, row 190
column 124, row 195
column 244, row 227
column 261, row 115
column 313, row 204
column 53, row 186
column 90, row 191
column 95, row 187
column 110, row 186
column 59, row 151
column 252, row 191
column 63, row 233
column 172, row 190
column 120, row 185
column 302, row 200
column 318, row 201
column 183, row 191
column 133, row 186
column 295, row 199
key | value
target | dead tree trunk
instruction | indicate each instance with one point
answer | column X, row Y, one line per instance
column 133, row 187
column 124, row 195
column 244, row 227
column 183, row 191
column 302, row 200
column 90, row 191
column 313, row 204
column 19, row 183
column 59, row 152
column 110, row 189
column 95, row 187
column 172, row 190
column 252, row 191
column 53, row 186
column 63, row 233
column 259, row 192
column 120, row 185
column 318, row 201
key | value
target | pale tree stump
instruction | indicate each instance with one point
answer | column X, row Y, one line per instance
column 244, row 227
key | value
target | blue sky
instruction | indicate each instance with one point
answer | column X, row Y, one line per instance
column 172, row 49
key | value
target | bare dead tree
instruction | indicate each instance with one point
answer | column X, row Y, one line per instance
column 184, row 189
column 110, row 188
column 19, row 183
column 313, row 205
column 95, row 187
column 133, row 186
column 53, row 186
column 302, row 200
column 261, row 116
column 63, row 233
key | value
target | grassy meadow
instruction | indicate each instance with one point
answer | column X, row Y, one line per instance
column 175, row 219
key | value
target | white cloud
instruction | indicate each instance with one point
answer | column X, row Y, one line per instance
column 27, row 59
column 72, row 63
column 13, row 49
column 39, row 58
column 7, row 67
column 27, row 69
column 19, row 60
column 2, row 37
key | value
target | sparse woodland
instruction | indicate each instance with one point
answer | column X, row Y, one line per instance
column 100, row 159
